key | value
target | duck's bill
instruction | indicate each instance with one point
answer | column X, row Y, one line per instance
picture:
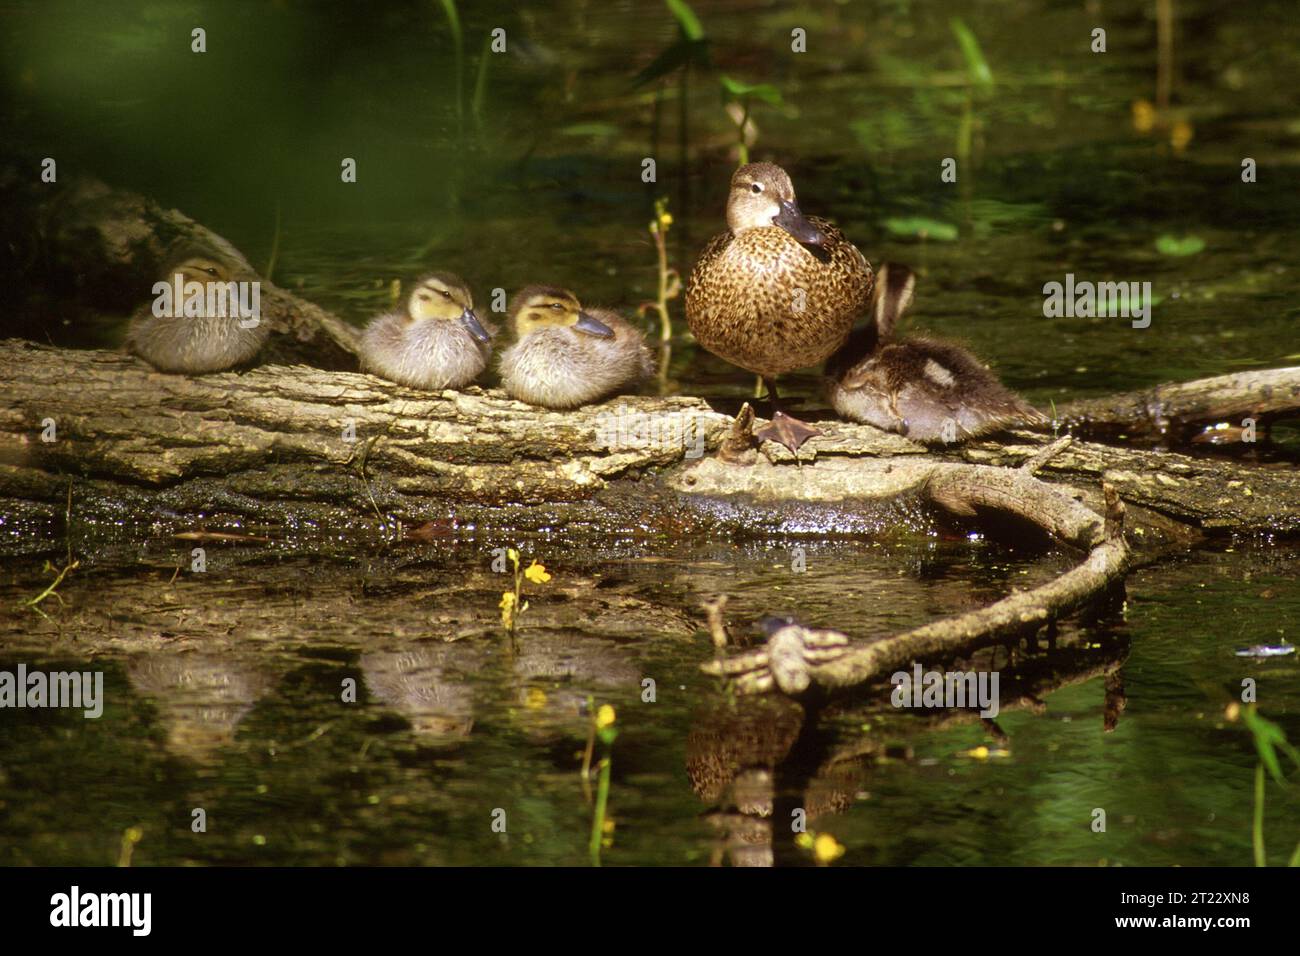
column 474, row 327
column 593, row 326
column 794, row 222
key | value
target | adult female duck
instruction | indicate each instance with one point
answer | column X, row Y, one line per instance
column 778, row 291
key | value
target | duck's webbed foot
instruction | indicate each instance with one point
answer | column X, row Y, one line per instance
column 786, row 430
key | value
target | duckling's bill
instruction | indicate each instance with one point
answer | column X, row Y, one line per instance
column 474, row 327
column 593, row 326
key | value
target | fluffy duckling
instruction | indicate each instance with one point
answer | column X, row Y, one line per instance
column 434, row 341
column 565, row 356
column 778, row 291
column 199, row 329
column 927, row 390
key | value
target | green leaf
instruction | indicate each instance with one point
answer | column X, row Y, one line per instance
column 453, row 19
column 739, row 89
column 1269, row 738
column 598, row 130
column 678, row 55
column 970, row 49
column 919, row 227
column 686, row 19
column 1168, row 245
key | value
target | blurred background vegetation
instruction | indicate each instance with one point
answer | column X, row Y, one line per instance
column 525, row 165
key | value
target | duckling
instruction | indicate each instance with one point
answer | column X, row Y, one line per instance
column 778, row 291
column 565, row 356
column 925, row 389
column 176, row 334
column 434, row 341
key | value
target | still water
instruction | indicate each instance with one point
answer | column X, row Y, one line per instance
column 225, row 692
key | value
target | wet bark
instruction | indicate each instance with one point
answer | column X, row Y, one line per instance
column 281, row 441
column 1176, row 412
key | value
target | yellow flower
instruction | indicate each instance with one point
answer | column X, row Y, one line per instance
column 1144, row 116
column 604, row 716
column 1180, row 135
column 537, row 573
column 665, row 219
column 536, row 698
column 508, row 603
column 827, row 849
column 804, row 841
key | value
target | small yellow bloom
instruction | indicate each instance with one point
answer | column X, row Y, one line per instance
column 979, row 753
column 536, row 698
column 1180, row 135
column 604, row 716
column 508, row 603
column 665, row 219
column 804, row 841
column 826, row 849
column 1144, row 116
column 537, row 573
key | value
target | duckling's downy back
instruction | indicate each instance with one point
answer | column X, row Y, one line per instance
column 564, row 368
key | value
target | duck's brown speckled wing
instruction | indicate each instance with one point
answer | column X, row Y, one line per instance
column 765, row 302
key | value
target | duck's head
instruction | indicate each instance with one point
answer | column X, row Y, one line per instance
column 442, row 297
column 200, row 269
column 543, row 307
column 762, row 195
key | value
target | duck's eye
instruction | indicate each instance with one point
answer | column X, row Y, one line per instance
column 757, row 187
column 210, row 271
column 556, row 306
column 444, row 293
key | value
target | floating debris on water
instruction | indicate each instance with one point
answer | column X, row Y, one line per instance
column 1267, row 650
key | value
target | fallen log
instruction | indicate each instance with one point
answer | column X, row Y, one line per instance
column 1179, row 412
column 797, row 660
column 278, row 443
column 85, row 252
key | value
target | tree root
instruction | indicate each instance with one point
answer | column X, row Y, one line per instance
column 797, row 659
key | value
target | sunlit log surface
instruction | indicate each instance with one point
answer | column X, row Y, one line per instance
column 282, row 443
column 1177, row 410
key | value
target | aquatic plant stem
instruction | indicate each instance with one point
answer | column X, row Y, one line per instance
column 52, row 588
column 275, row 246
column 480, row 85
column 586, row 757
column 1257, row 828
column 742, row 149
column 458, row 38
column 598, row 818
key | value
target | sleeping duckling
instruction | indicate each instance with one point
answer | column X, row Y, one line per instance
column 927, row 390
column 435, row 341
column 200, row 329
column 778, row 290
column 564, row 356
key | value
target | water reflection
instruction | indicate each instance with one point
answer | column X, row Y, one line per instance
column 426, row 685
column 201, row 698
